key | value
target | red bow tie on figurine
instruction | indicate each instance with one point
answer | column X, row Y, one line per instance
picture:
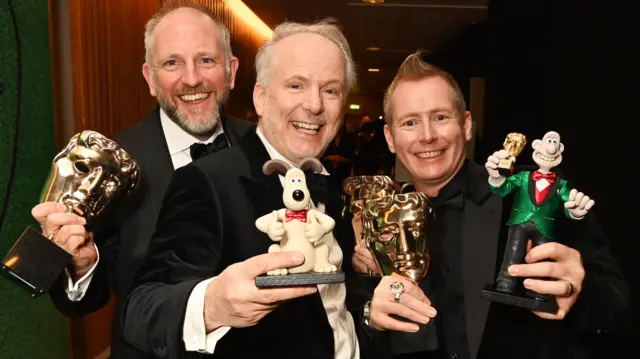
column 299, row 215
column 551, row 177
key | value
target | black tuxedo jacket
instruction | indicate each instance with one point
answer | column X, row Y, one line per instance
column 207, row 222
column 497, row 331
column 123, row 236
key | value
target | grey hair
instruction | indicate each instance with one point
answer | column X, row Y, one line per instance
column 327, row 28
column 170, row 6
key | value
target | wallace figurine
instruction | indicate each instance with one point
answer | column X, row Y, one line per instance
column 540, row 197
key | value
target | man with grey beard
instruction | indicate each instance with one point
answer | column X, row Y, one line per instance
column 190, row 69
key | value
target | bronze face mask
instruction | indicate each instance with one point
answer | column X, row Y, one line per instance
column 395, row 229
column 89, row 174
column 361, row 189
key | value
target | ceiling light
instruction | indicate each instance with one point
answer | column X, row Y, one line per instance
column 374, row 70
column 373, row 1
column 373, row 48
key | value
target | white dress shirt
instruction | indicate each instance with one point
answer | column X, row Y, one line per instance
column 333, row 298
column 178, row 142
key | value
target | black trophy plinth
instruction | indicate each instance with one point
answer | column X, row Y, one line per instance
column 505, row 167
column 35, row 262
column 299, row 279
column 520, row 297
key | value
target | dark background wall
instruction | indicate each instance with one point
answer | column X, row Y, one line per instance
column 568, row 66
column 29, row 328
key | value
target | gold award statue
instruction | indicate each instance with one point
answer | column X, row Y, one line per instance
column 88, row 176
column 360, row 189
column 395, row 228
column 514, row 144
column 396, row 233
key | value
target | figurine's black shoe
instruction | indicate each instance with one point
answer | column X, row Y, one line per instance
column 505, row 286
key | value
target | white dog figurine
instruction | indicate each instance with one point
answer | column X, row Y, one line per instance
column 298, row 227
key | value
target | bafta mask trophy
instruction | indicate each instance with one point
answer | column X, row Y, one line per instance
column 359, row 190
column 90, row 174
column 513, row 144
column 396, row 234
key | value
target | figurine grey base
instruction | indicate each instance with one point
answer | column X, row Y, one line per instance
column 298, row 279
column 520, row 299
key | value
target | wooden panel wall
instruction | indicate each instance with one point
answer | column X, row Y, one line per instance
column 108, row 51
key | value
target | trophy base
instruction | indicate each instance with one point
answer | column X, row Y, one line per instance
column 299, row 279
column 505, row 167
column 520, row 298
column 425, row 339
column 35, row 262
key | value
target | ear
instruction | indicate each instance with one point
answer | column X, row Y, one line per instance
column 272, row 166
column 561, row 147
column 234, row 63
column 310, row 163
column 467, row 126
column 389, row 137
column 258, row 98
column 146, row 72
column 535, row 144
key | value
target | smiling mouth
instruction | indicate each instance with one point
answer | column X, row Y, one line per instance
column 191, row 98
column 546, row 159
column 307, row 128
column 430, row 154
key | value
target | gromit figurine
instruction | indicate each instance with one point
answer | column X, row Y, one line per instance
column 298, row 227
column 540, row 196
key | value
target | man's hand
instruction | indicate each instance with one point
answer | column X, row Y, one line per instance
column 492, row 165
column 413, row 305
column 363, row 261
column 70, row 236
column 567, row 270
column 578, row 204
column 232, row 298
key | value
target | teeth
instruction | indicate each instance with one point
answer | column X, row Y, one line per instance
column 194, row 97
column 306, row 127
column 545, row 158
column 429, row 154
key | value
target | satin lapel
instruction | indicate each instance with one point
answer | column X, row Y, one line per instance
column 157, row 160
column 481, row 229
column 236, row 129
column 264, row 192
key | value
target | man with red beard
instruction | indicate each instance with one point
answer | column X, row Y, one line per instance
column 190, row 69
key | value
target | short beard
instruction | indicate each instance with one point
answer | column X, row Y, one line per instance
column 201, row 126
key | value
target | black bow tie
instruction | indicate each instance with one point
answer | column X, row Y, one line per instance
column 199, row 150
column 317, row 185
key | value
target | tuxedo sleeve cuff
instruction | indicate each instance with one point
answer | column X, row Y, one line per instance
column 76, row 291
column 193, row 331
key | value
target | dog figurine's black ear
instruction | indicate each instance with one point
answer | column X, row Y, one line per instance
column 278, row 166
column 310, row 163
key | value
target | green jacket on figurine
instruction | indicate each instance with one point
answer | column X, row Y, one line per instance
column 524, row 208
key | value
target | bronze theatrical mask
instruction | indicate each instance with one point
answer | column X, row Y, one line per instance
column 88, row 176
column 395, row 229
column 363, row 188
column 514, row 144
column 91, row 172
